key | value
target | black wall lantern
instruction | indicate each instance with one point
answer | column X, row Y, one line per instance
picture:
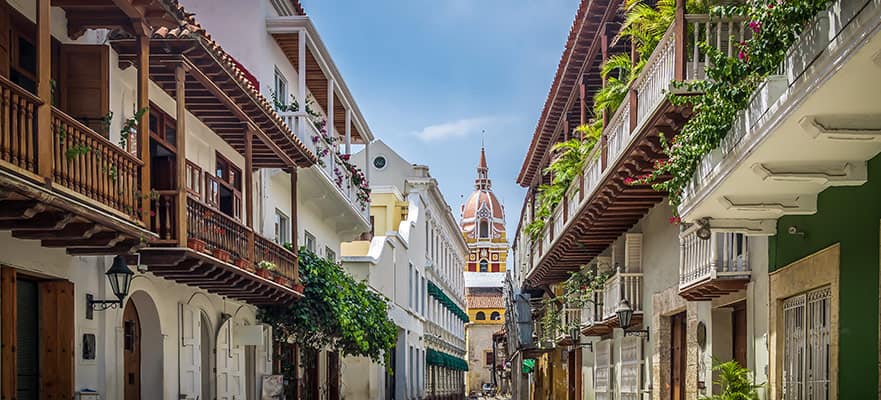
column 625, row 315
column 120, row 277
column 575, row 335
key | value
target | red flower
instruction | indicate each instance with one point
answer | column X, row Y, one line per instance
column 675, row 220
column 628, row 181
column 755, row 26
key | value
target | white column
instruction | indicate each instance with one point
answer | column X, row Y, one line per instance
column 302, row 37
column 348, row 131
column 329, row 109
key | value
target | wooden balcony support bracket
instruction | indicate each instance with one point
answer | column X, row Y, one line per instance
column 44, row 90
column 180, row 73
column 249, row 187
column 143, row 94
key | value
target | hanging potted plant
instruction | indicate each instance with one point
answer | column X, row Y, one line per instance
column 265, row 268
column 281, row 279
column 299, row 287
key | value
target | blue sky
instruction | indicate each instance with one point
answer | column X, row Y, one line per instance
column 429, row 76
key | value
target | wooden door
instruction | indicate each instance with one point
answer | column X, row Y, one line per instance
column 738, row 334
column 677, row 357
column 333, row 375
column 131, row 331
column 84, row 84
column 190, row 353
column 571, row 371
column 5, row 34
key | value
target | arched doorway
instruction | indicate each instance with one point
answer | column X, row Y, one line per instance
column 230, row 363
column 131, row 345
column 146, row 343
column 207, row 362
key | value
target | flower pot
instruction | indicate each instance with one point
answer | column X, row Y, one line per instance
column 221, row 255
column 244, row 264
column 196, row 244
column 264, row 273
column 299, row 287
column 281, row 280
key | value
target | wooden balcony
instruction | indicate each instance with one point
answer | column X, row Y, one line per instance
column 65, row 184
column 714, row 267
column 218, row 253
column 601, row 203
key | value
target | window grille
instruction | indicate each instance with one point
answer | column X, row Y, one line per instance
column 806, row 318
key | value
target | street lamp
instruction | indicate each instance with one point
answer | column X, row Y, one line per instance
column 575, row 334
column 120, row 277
column 625, row 315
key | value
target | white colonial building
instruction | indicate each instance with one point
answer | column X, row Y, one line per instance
column 414, row 258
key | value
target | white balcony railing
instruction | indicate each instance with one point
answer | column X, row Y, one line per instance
column 620, row 286
column 652, row 85
column 724, row 255
column 329, row 161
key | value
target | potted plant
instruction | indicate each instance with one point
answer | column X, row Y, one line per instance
column 244, row 264
column 221, row 255
column 281, row 279
column 299, row 287
column 196, row 244
column 265, row 268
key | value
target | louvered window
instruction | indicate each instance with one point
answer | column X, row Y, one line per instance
column 603, row 370
column 806, row 318
column 631, row 368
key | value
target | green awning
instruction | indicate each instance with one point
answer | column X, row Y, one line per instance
column 442, row 297
column 439, row 358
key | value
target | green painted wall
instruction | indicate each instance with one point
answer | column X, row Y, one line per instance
column 850, row 216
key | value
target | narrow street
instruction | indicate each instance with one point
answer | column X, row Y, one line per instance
column 447, row 200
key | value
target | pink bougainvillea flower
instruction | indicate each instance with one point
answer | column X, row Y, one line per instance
column 755, row 26
column 675, row 220
column 628, row 181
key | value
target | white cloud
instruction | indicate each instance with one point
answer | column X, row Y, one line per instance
column 458, row 128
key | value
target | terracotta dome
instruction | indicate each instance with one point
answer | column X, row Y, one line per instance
column 482, row 206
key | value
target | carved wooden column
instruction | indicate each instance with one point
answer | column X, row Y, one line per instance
column 45, row 156
column 180, row 78
column 679, row 28
column 143, row 103
column 249, row 188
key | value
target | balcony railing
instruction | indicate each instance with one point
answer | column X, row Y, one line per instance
column 651, row 89
column 329, row 161
column 284, row 260
column 18, row 139
column 82, row 160
column 620, row 286
column 724, row 255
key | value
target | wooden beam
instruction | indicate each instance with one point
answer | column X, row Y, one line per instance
column 181, row 159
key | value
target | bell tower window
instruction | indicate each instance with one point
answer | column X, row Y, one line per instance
column 484, row 266
column 483, row 229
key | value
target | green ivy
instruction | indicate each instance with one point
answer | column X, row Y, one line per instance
column 336, row 313
column 581, row 284
column 449, row 304
column 730, row 82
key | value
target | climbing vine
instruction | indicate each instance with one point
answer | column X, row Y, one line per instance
column 336, row 313
column 775, row 26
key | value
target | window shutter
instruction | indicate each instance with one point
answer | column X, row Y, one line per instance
column 190, row 356
column 56, row 339
column 4, row 54
column 230, row 364
column 603, row 370
column 633, row 252
column 84, row 84
column 631, row 367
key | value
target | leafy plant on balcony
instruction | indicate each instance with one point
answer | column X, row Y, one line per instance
column 359, row 179
column 730, row 82
column 735, row 382
column 550, row 320
column 267, row 265
column 581, row 284
column 568, row 163
column 336, row 313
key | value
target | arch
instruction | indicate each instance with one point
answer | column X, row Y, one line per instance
column 207, row 361
column 483, row 229
column 480, row 316
column 152, row 351
column 484, row 265
column 495, row 316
